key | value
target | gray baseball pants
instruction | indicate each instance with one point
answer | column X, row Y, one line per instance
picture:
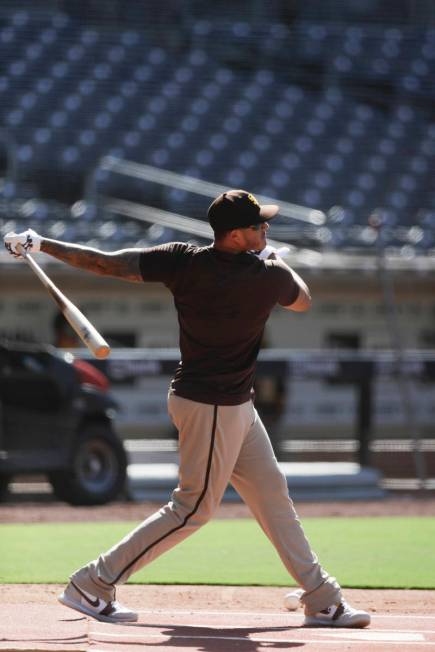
column 217, row 445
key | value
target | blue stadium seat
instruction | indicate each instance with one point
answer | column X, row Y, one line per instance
column 323, row 117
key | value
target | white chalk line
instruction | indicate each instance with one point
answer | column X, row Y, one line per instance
column 338, row 636
column 325, row 631
column 287, row 615
column 257, row 639
column 349, row 635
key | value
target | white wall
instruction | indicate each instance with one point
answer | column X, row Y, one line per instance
column 342, row 303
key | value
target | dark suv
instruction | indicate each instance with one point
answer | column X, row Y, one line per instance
column 56, row 418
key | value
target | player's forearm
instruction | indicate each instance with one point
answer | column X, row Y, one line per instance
column 122, row 264
column 300, row 281
column 303, row 302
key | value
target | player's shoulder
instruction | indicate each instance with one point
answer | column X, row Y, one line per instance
column 168, row 250
column 184, row 248
column 195, row 253
column 164, row 261
column 173, row 247
column 277, row 267
column 183, row 254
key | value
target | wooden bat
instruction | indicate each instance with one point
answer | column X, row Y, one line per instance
column 82, row 326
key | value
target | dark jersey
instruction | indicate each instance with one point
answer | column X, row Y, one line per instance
column 223, row 301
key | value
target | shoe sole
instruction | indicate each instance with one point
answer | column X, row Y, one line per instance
column 358, row 624
column 77, row 606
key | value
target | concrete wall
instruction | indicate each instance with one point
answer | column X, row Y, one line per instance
column 343, row 303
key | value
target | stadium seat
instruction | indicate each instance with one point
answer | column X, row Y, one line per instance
column 322, row 118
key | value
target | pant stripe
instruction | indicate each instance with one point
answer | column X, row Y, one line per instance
column 194, row 510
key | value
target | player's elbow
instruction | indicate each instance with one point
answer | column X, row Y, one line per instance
column 302, row 303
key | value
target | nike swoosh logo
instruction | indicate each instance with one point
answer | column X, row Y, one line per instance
column 92, row 600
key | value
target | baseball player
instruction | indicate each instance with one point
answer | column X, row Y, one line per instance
column 223, row 294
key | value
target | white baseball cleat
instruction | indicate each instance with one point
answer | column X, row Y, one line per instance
column 341, row 615
column 108, row 612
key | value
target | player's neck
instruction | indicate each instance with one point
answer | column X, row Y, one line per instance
column 228, row 248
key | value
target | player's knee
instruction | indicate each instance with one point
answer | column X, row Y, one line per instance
column 204, row 513
column 198, row 513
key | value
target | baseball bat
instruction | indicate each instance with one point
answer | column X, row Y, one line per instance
column 82, row 326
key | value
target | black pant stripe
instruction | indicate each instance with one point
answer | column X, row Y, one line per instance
column 188, row 516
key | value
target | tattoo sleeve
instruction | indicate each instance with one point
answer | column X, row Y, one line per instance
column 123, row 264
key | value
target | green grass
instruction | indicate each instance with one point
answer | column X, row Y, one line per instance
column 360, row 552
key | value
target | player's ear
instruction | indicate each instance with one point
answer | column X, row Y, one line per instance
column 236, row 236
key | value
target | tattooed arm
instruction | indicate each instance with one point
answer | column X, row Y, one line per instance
column 123, row 264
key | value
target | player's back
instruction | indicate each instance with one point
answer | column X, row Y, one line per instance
column 223, row 301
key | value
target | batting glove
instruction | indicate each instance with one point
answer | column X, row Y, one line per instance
column 272, row 252
column 29, row 240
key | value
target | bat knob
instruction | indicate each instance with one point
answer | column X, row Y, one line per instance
column 102, row 352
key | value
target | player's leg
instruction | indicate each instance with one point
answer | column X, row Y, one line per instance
column 210, row 438
column 262, row 485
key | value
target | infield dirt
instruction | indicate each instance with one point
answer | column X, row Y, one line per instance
column 226, row 598
column 16, row 511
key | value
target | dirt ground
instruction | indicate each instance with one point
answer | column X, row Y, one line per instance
column 228, row 598
column 47, row 512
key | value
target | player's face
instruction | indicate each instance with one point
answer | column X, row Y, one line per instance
column 255, row 236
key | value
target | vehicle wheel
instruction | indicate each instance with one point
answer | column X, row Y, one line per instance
column 4, row 481
column 98, row 469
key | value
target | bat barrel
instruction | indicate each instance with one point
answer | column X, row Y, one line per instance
column 81, row 325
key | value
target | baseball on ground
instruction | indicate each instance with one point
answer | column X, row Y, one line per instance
column 292, row 601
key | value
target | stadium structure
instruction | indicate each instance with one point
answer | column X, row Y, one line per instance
column 121, row 120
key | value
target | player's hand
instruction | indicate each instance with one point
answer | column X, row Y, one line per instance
column 270, row 252
column 29, row 240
